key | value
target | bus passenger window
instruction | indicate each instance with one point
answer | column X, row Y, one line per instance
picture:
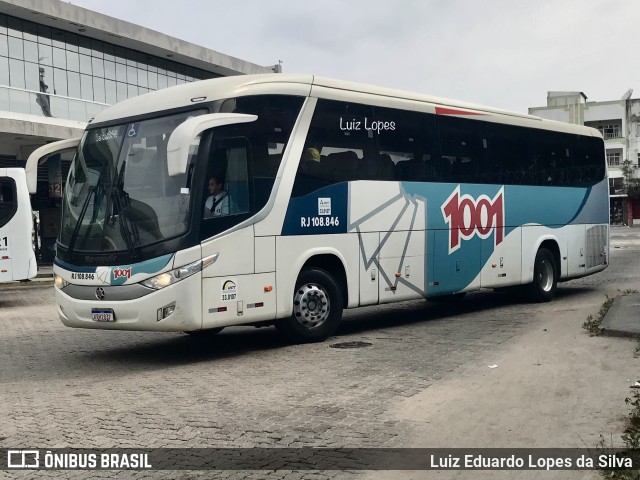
column 464, row 145
column 337, row 142
column 407, row 141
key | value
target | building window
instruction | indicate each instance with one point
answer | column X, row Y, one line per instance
column 613, row 158
column 76, row 72
column 616, row 186
column 608, row 128
column 609, row 131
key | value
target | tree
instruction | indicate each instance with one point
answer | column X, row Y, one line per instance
column 631, row 184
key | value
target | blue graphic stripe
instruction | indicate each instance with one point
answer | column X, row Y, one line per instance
column 151, row 266
column 552, row 207
column 458, row 261
column 305, row 218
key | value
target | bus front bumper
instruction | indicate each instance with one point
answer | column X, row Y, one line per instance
column 144, row 313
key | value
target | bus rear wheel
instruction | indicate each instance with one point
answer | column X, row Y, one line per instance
column 317, row 308
column 545, row 277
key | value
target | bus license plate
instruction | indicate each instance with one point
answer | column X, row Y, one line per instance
column 102, row 315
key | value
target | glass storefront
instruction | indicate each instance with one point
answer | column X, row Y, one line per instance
column 55, row 73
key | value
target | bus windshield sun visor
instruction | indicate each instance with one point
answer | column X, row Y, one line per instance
column 186, row 133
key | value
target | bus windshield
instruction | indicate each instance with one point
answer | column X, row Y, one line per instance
column 119, row 195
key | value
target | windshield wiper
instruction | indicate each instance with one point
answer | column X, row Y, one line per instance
column 92, row 191
column 116, row 196
column 122, row 201
column 76, row 229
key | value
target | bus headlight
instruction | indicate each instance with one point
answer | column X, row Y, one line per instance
column 59, row 282
column 169, row 278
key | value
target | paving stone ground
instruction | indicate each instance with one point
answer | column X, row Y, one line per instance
column 61, row 387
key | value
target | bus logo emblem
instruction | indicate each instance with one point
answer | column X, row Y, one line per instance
column 121, row 272
column 468, row 217
column 100, row 293
column 229, row 291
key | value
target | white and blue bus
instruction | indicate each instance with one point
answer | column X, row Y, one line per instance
column 339, row 195
column 17, row 257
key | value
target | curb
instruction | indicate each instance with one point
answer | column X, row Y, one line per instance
column 616, row 322
column 610, row 332
column 42, row 281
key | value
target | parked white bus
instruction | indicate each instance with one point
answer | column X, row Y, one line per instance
column 17, row 258
column 336, row 195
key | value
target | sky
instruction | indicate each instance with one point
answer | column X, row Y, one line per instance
column 500, row 53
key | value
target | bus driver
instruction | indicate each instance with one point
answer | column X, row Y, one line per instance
column 218, row 202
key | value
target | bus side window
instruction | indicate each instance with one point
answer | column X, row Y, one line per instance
column 229, row 165
column 547, row 157
column 237, row 181
column 589, row 162
column 386, row 167
column 340, row 166
column 508, row 155
column 8, row 205
column 335, row 146
column 463, row 143
column 407, row 139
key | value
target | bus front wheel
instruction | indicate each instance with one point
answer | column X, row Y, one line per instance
column 545, row 277
column 317, row 308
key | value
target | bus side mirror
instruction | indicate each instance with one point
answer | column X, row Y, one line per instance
column 185, row 133
column 31, row 168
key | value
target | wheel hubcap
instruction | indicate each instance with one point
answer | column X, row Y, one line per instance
column 311, row 305
column 545, row 276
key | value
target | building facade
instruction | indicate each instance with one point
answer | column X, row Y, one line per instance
column 61, row 64
column 619, row 123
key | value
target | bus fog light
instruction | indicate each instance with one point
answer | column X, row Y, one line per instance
column 164, row 312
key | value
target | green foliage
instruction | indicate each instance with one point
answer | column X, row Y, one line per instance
column 631, row 439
